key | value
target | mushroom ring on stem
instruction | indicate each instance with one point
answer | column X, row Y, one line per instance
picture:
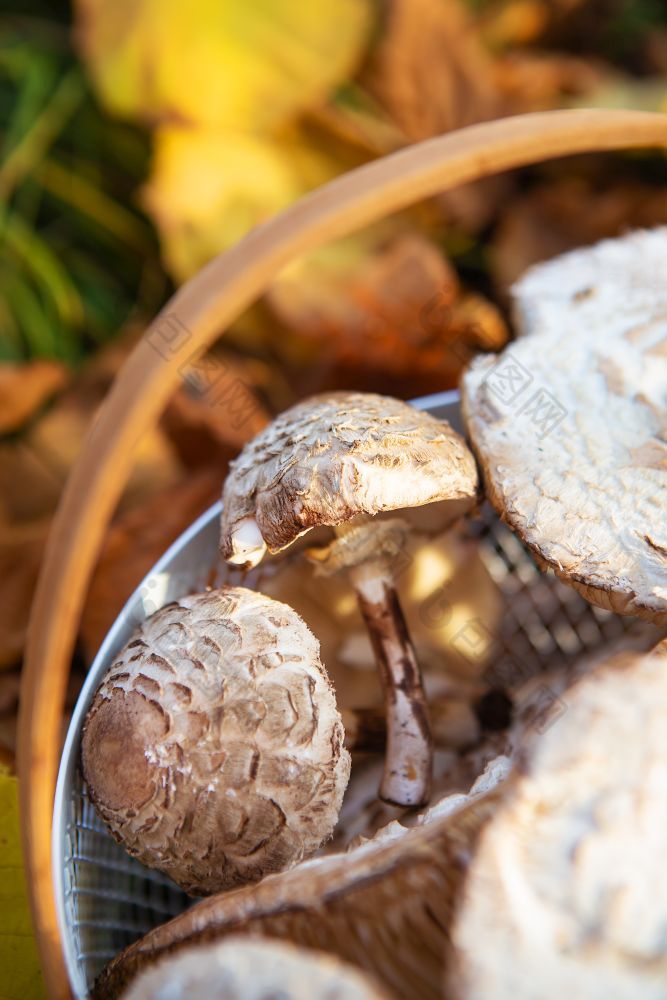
column 213, row 748
column 337, row 460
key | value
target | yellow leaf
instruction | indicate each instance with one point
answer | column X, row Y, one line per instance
column 224, row 63
column 208, row 189
column 20, row 976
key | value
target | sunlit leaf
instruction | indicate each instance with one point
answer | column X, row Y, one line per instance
column 209, row 188
column 20, row 976
column 227, row 63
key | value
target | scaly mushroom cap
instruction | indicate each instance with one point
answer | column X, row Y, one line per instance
column 567, row 893
column 255, row 969
column 384, row 906
column 337, row 455
column 213, row 748
column 570, row 421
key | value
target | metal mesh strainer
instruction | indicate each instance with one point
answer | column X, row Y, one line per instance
column 106, row 899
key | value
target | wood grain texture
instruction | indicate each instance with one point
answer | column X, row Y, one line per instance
column 198, row 313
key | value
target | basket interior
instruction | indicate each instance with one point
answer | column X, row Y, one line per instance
column 106, row 899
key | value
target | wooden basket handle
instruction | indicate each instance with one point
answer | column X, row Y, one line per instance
column 199, row 312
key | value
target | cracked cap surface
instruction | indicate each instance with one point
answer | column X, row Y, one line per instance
column 570, row 421
column 213, row 748
column 337, row 455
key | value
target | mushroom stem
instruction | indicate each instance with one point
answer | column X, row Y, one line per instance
column 409, row 761
column 455, row 725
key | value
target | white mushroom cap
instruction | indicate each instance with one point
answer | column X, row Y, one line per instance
column 570, row 421
column 567, row 893
column 213, row 748
column 333, row 457
column 385, row 905
column 252, row 969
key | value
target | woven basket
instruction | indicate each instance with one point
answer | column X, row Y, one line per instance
column 199, row 312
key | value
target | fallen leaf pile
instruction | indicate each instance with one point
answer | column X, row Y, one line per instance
column 176, row 475
column 275, row 106
column 229, row 145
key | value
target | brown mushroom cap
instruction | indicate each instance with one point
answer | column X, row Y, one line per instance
column 570, row 421
column 213, row 748
column 567, row 893
column 252, row 969
column 384, row 906
column 337, row 455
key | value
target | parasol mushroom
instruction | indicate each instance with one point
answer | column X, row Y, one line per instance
column 213, row 748
column 385, row 905
column 338, row 460
column 573, row 859
column 570, row 422
column 252, row 969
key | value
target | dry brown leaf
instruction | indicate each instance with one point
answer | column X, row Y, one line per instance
column 20, row 558
column 656, row 51
column 432, row 75
column 517, row 22
column 24, row 389
column 429, row 69
column 135, row 542
column 566, row 213
column 56, row 441
column 7, row 758
column 216, row 410
column 29, row 488
column 394, row 320
column 10, row 682
column 539, row 81
column 506, row 24
column 8, row 731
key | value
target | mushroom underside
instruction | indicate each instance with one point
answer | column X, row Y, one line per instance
column 569, row 423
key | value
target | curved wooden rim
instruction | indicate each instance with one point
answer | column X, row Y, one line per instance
column 195, row 316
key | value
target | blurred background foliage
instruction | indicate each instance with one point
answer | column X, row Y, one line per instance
column 77, row 254
column 141, row 137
